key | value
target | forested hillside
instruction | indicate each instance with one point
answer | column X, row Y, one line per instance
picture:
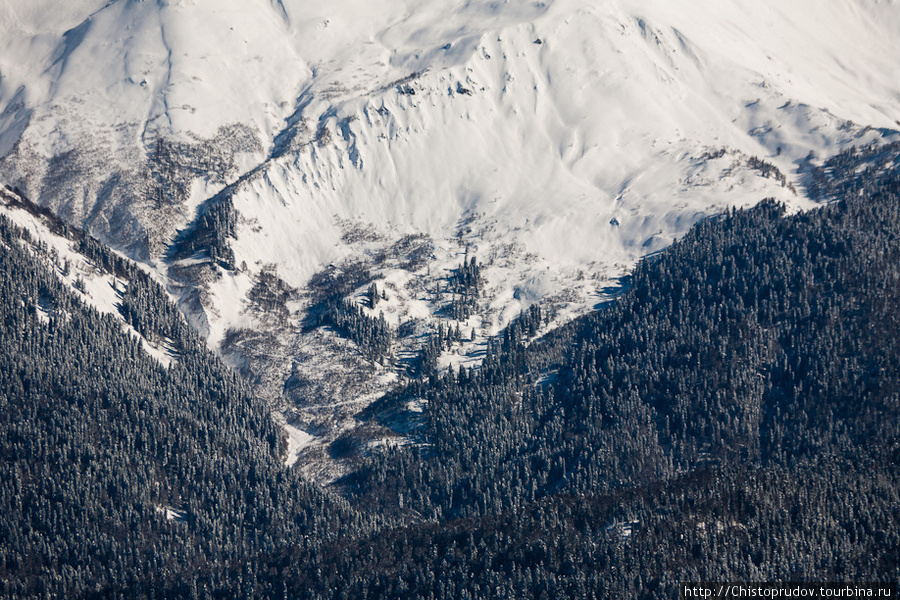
column 120, row 477
column 732, row 415
column 760, row 348
column 758, row 339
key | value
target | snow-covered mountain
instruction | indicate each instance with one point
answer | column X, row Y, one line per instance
column 262, row 156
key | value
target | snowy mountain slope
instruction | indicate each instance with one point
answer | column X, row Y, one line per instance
column 107, row 92
column 255, row 153
column 90, row 282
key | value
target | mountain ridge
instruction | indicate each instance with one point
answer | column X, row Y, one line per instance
column 731, row 415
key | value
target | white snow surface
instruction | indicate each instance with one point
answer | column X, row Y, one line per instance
column 557, row 141
column 599, row 120
column 297, row 441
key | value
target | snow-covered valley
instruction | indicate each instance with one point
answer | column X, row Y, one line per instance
column 266, row 158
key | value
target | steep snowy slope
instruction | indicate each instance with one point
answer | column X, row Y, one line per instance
column 63, row 253
column 125, row 102
column 269, row 156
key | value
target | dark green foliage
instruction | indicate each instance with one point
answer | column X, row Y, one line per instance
column 330, row 306
column 373, row 295
column 330, row 286
column 464, row 287
column 767, row 169
column 174, row 166
column 858, row 169
column 436, row 343
column 97, row 440
column 372, row 335
column 760, row 343
column 733, row 415
column 208, row 235
column 827, row 520
column 150, row 312
column 758, row 339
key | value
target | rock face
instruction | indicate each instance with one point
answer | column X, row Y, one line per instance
column 275, row 161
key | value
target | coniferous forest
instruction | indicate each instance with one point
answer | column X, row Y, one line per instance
column 732, row 415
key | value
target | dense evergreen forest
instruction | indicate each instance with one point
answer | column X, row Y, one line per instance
column 732, row 415
column 120, row 477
